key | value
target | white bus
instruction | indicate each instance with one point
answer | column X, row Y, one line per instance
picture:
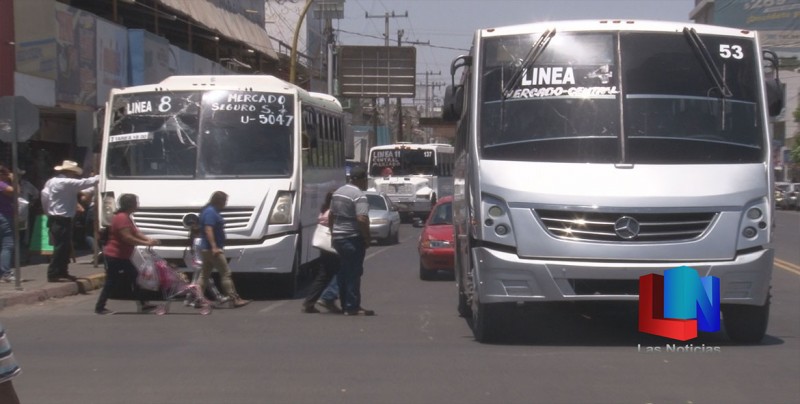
column 274, row 148
column 590, row 153
column 413, row 175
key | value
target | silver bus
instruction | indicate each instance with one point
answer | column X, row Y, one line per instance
column 590, row 153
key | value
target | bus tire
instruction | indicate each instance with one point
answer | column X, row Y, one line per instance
column 464, row 309
column 464, row 302
column 487, row 321
column 744, row 323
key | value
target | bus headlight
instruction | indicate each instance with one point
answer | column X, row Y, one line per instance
column 497, row 221
column 109, row 205
column 282, row 210
column 753, row 225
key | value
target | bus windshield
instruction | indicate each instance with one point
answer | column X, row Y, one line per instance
column 571, row 106
column 384, row 163
column 200, row 135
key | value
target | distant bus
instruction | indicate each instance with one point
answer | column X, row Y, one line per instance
column 591, row 153
column 274, row 148
column 413, row 175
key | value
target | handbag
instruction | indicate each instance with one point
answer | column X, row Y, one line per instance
column 322, row 238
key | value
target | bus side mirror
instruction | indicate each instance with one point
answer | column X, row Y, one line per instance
column 772, row 81
column 453, row 103
column 774, row 97
column 454, row 94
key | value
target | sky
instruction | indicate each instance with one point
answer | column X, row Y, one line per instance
column 449, row 25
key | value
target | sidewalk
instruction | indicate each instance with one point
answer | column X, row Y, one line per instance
column 35, row 288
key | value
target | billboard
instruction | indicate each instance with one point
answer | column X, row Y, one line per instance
column 77, row 64
column 377, row 71
column 112, row 58
column 777, row 21
column 35, row 43
column 151, row 58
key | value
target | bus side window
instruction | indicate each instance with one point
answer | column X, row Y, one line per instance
column 309, row 136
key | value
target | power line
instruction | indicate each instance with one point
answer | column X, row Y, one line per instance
column 382, row 38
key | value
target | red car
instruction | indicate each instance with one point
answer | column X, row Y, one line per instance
column 436, row 246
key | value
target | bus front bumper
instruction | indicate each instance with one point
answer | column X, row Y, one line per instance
column 505, row 277
column 412, row 205
column 271, row 256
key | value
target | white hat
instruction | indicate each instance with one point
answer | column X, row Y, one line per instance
column 69, row 165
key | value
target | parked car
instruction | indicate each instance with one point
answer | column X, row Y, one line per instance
column 384, row 219
column 436, row 246
column 791, row 196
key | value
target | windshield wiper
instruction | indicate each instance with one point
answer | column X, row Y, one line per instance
column 533, row 54
column 708, row 61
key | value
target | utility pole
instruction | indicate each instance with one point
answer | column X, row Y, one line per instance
column 400, row 33
column 429, row 87
column 386, row 17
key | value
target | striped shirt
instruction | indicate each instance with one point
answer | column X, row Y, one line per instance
column 348, row 202
column 8, row 365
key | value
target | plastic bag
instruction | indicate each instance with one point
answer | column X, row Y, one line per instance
column 322, row 238
column 148, row 272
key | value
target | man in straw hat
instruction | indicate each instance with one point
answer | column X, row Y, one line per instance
column 59, row 202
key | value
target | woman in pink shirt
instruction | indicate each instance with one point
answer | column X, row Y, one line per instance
column 123, row 238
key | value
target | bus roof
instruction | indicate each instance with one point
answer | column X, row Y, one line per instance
column 614, row 25
column 231, row 82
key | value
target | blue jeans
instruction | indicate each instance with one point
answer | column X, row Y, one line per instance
column 331, row 292
column 6, row 245
column 351, row 258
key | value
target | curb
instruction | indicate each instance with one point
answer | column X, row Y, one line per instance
column 54, row 291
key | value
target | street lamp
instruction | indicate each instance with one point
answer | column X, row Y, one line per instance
column 293, row 58
column 327, row 10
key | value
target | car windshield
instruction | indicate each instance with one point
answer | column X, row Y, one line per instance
column 402, row 161
column 376, row 202
column 442, row 214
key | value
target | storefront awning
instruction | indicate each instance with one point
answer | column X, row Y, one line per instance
column 231, row 25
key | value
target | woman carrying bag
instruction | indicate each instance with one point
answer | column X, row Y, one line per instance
column 123, row 237
column 329, row 265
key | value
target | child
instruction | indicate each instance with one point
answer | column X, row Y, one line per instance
column 194, row 260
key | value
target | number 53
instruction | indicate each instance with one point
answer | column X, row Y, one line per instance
column 731, row 51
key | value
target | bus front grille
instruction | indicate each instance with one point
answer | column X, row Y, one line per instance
column 171, row 219
column 625, row 227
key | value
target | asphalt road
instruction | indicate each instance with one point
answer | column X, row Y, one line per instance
column 416, row 350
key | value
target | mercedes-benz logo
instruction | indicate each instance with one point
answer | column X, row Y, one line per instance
column 626, row 227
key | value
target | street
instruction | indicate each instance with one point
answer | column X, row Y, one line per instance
column 415, row 350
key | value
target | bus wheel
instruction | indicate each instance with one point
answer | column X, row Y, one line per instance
column 488, row 321
column 744, row 323
column 463, row 303
column 464, row 309
column 486, row 318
